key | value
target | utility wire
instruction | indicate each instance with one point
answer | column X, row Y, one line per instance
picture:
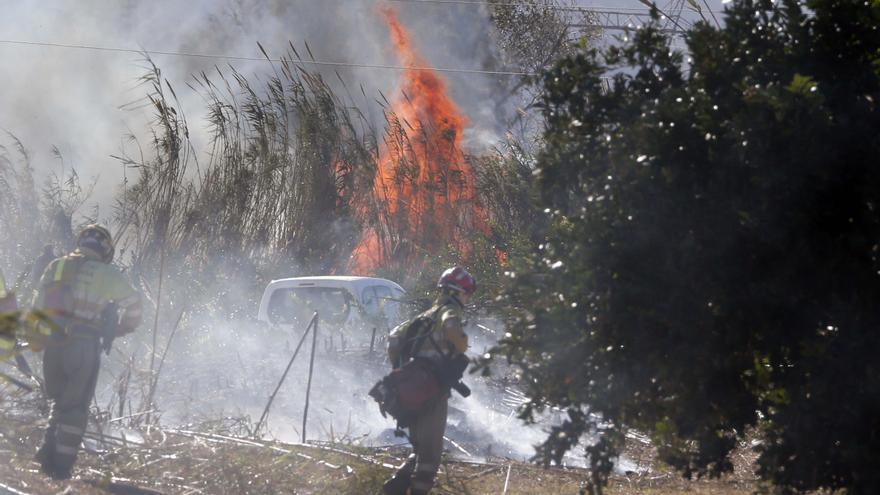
column 633, row 10
column 264, row 59
column 600, row 12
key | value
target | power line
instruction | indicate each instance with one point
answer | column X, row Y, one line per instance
column 619, row 19
column 264, row 59
column 590, row 9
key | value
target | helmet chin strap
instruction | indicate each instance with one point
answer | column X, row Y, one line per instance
column 105, row 257
column 456, row 295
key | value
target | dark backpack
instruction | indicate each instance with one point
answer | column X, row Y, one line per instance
column 417, row 331
column 413, row 383
column 407, row 391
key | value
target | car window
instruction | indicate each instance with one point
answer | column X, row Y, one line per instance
column 376, row 299
column 297, row 304
column 370, row 301
column 395, row 308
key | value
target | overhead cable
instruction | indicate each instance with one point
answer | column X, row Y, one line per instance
column 572, row 8
column 265, row 59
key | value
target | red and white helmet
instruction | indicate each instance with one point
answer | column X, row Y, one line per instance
column 458, row 279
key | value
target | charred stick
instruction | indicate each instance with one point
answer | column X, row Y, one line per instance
column 155, row 378
column 149, row 404
column 311, row 369
column 284, row 376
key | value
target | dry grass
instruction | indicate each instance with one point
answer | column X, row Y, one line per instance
column 189, row 462
column 32, row 215
column 285, row 161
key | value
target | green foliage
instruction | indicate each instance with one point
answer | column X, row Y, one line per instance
column 712, row 254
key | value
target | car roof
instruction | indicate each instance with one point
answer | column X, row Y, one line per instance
column 333, row 281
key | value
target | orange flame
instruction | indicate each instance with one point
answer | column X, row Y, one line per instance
column 424, row 190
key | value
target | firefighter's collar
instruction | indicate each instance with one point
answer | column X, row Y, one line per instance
column 87, row 253
column 449, row 299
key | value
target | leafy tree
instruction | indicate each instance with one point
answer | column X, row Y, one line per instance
column 711, row 264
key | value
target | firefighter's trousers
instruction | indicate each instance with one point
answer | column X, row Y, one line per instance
column 70, row 370
column 426, row 435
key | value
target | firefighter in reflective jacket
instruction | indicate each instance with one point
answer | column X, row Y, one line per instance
column 70, row 305
column 416, row 476
column 7, row 298
column 8, row 319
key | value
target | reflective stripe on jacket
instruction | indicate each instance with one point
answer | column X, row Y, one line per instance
column 7, row 298
column 8, row 321
column 76, row 288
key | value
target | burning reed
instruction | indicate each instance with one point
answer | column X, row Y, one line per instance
column 424, row 197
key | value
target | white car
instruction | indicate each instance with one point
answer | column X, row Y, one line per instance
column 341, row 302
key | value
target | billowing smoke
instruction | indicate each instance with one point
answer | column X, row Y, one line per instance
column 87, row 101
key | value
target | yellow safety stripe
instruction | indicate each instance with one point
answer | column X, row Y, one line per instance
column 59, row 269
column 7, row 349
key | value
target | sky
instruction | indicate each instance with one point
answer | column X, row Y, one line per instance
column 80, row 101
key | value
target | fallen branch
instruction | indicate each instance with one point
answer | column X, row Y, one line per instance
column 254, row 443
column 8, row 490
column 483, row 473
column 507, row 479
column 132, row 415
column 456, row 445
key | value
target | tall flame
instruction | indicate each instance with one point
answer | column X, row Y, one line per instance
column 424, row 193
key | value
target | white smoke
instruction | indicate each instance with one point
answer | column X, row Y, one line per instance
column 228, row 369
column 80, row 100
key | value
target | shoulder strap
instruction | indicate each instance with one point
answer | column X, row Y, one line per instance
column 426, row 334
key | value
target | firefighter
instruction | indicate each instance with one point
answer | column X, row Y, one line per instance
column 8, row 318
column 72, row 300
column 7, row 298
column 416, row 475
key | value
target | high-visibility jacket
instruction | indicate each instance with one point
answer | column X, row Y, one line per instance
column 8, row 320
column 74, row 291
column 7, row 298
